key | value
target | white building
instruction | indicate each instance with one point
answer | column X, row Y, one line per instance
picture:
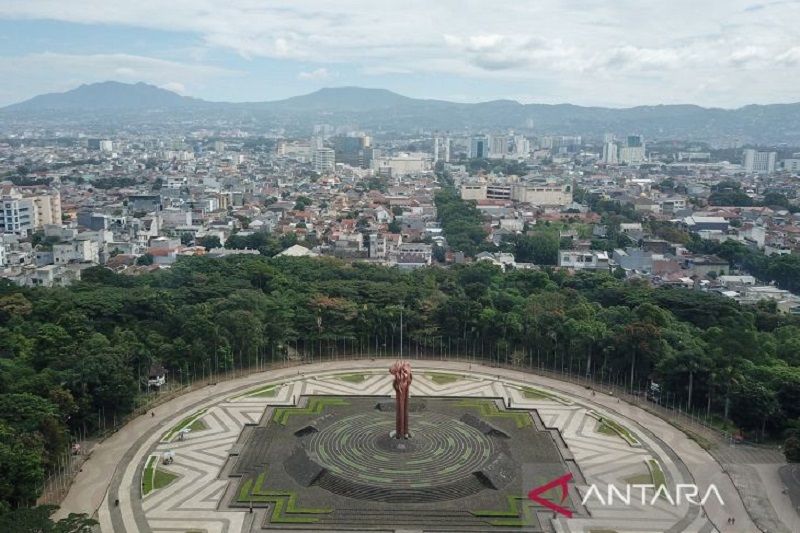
column 23, row 214
column 530, row 193
column 324, row 160
column 610, row 153
column 632, row 155
column 80, row 251
column 759, row 162
column 580, row 260
column 791, row 165
column 401, row 165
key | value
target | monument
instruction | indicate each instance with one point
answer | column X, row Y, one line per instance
column 401, row 371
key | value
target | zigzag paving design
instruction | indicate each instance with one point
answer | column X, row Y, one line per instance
column 192, row 501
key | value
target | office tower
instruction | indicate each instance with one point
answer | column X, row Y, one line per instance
column 610, row 152
column 757, row 162
column 351, row 150
column 479, row 147
column 324, row 160
column 633, row 152
column 498, row 146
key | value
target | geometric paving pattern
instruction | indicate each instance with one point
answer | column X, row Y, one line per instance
column 192, row 502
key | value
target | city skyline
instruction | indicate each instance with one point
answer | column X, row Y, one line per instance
column 719, row 54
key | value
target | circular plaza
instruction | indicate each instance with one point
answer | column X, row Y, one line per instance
column 308, row 449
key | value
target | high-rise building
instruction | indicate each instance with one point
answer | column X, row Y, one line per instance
column 633, row 152
column 757, row 162
column 610, row 152
column 324, row 160
column 520, row 147
column 352, row 150
column 498, row 146
column 635, row 141
column 479, row 147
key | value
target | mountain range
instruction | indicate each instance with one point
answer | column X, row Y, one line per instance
column 383, row 110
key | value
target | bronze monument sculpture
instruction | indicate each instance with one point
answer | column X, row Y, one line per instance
column 401, row 371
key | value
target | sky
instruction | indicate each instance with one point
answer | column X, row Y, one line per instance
column 618, row 53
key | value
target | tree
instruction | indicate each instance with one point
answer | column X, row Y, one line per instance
column 302, row 202
column 21, row 466
column 37, row 520
column 791, row 450
column 209, row 242
column 145, row 260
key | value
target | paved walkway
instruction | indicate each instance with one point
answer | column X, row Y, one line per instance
column 111, row 458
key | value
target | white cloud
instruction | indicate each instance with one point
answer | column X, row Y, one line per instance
column 317, row 74
column 575, row 44
column 175, row 86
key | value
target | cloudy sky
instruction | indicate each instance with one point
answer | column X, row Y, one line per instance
column 723, row 53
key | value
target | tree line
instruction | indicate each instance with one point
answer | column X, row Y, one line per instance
column 73, row 358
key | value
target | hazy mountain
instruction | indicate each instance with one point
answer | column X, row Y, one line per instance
column 108, row 95
column 380, row 109
column 343, row 99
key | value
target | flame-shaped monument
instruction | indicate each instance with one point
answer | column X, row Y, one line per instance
column 401, row 371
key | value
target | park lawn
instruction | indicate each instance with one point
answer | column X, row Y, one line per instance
column 441, row 378
column 659, row 479
column 352, row 378
column 609, row 427
column 162, row 478
column 153, row 478
column 185, row 423
column 539, row 394
column 147, row 475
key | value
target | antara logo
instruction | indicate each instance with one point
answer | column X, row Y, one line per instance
column 562, row 482
column 648, row 494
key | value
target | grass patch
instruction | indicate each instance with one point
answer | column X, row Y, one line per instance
column 539, row 394
column 659, row 479
column 198, row 425
column 352, row 378
column 315, row 406
column 440, row 378
column 147, row 475
column 268, row 391
column 162, row 478
column 513, row 516
column 153, row 478
column 607, row 426
column 284, row 503
column 185, row 423
column 489, row 409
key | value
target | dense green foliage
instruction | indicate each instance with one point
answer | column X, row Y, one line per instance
column 461, row 222
column 784, row 270
column 73, row 357
column 37, row 520
column 729, row 193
